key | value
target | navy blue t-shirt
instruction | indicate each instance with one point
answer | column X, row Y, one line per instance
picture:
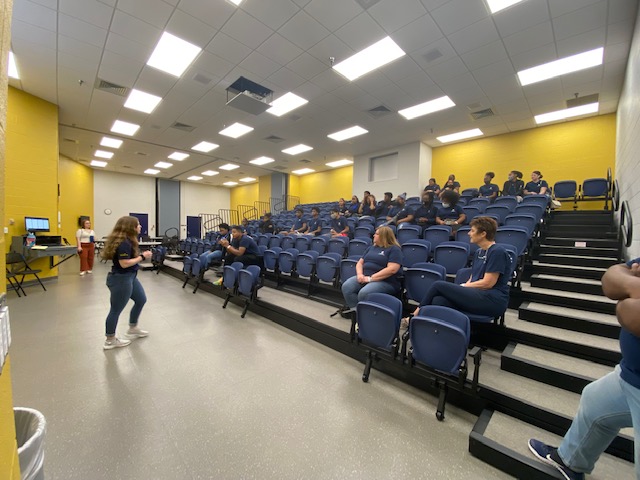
column 123, row 252
column 450, row 213
column 402, row 212
column 353, row 208
column 488, row 190
column 536, row 186
column 382, row 210
column 513, row 189
column 451, row 186
column 367, row 210
column 314, row 223
column 630, row 349
column 298, row 223
column 248, row 243
column 429, row 213
column 494, row 260
column 338, row 224
column 376, row 258
column 432, row 188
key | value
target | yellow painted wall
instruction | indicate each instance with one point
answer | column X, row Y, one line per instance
column 294, row 186
column 76, row 196
column 326, row 186
column 31, row 166
column 243, row 195
column 264, row 185
column 566, row 151
column 9, row 464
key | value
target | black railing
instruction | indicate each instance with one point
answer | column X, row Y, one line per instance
column 210, row 221
column 626, row 224
column 229, row 216
column 262, row 207
column 291, row 201
column 615, row 196
column 249, row 212
column 278, row 205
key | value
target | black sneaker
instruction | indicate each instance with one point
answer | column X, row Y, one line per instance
column 549, row 455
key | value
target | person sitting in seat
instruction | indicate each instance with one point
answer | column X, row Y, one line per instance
column 299, row 225
column 451, row 185
column 266, row 224
column 368, row 205
column 536, row 186
column 342, row 207
column 242, row 248
column 400, row 213
column 377, row 271
column 489, row 190
column 382, row 209
column 514, row 186
column 315, row 222
column 339, row 226
column 216, row 252
column 432, row 187
column 352, row 210
column 425, row 214
column 486, row 292
column 450, row 213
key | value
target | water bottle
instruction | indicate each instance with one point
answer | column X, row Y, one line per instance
column 31, row 240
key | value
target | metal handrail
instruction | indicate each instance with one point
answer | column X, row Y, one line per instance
column 626, row 225
column 210, row 221
column 278, row 205
column 609, row 179
column 229, row 215
column 247, row 211
column 615, row 196
column 262, row 207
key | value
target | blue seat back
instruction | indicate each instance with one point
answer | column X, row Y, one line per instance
column 200, row 247
column 516, row 236
column 301, row 243
column 565, row 189
column 264, row 239
column 407, row 232
column 471, row 213
column 248, row 280
column 270, row 258
column 357, row 246
column 379, row 320
column 187, row 263
column 415, row 251
column 274, row 241
column 338, row 245
column 437, row 234
column 328, row 266
column 287, row 260
column 531, row 209
column 451, row 255
column 501, row 211
column 230, row 275
column 595, row 187
column 364, row 231
column 462, row 236
column 419, row 278
column 347, row 268
column 306, row 262
column 319, row 244
column 541, row 200
column 366, row 220
column 287, row 242
column 523, row 220
column 480, row 203
column 508, row 201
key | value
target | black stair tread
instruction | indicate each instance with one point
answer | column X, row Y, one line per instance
column 577, row 267
column 576, row 313
column 608, row 344
column 566, row 255
column 604, row 251
column 515, row 434
column 584, row 281
column 526, row 287
column 558, row 361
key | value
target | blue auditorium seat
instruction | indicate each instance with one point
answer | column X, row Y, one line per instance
column 451, row 255
column 306, row 263
column 419, row 278
column 338, row 245
column 480, row 203
column 415, row 251
column 248, row 285
column 319, row 244
column 507, row 200
column 408, row 232
column 230, row 281
column 437, row 234
column 501, row 211
column 328, row 268
column 357, row 246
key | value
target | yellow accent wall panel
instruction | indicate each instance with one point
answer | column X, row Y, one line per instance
column 326, row 186
column 9, row 463
column 31, row 165
column 76, row 196
column 244, row 195
column 264, row 186
column 294, row 186
column 574, row 150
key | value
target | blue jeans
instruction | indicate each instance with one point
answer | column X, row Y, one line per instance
column 355, row 292
column 207, row 257
column 124, row 286
column 606, row 406
column 472, row 300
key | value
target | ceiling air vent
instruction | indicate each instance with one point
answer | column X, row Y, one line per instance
column 579, row 101
column 142, row 153
column 203, row 79
column 379, row 111
column 71, row 140
column 183, row 126
column 280, row 167
column 487, row 112
column 111, row 88
column 305, row 160
column 432, row 55
column 274, row 139
column 367, row 3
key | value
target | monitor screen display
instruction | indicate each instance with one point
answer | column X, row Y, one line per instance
column 36, row 224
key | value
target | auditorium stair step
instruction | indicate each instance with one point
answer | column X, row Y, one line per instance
column 581, row 242
column 502, row 441
column 585, row 230
column 596, row 303
column 566, row 284
column 583, row 345
column 578, row 250
column 585, row 321
column 576, row 259
column 591, row 218
column 577, row 271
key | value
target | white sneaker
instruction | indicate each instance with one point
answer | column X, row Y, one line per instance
column 136, row 332
column 82, row 273
column 115, row 342
column 89, row 271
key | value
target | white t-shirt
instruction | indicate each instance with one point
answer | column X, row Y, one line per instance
column 85, row 235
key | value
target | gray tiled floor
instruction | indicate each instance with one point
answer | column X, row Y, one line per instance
column 211, row 396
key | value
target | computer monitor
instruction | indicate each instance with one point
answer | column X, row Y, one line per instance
column 36, row 224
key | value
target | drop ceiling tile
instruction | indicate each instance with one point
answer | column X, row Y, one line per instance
column 392, row 18
column 513, row 107
column 190, row 29
column 286, row 80
column 508, row 91
column 402, row 68
column 457, row 14
column 33, row 34
column 307, row 66
column 310, row 91
column 521, row 16
column 212, row 66
column 228, row 48
column 437, row 52
column 529, row 39
column 620, row 32
column 476, row 35
column 361, row 32
column 483, row 56
column 273, row 13
column 90, row 11
column 444, row 71
column 150, row 11
column 123, row 46
column 495, row 72
column 155, row 81
column 279, row 49
column 582, row 42
column 83, row 31
column 553, row 86
column 417, row 85
column 329, row 47
column 462, row 82
column 562, row 7
column 259, row 65
column 532, row 58
column 215, row 14
column 580, row 21
column 301, row 3
column 332, row 14
column 303, row 31
column 86, row 66
column 348, row 91
column 422, row 31
column 118, row 69
column 329, row 80
column 518, row 125
column 35, row 14
column 615, row 53
column 52, row 4
column 135, row 29
column 622, row 10
column 246, row 29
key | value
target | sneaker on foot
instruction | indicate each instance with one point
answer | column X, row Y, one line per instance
column 549, row 455
column 82, row 273
column 89, row 271
column 218, row 282
column 136, row 332
column 115, row 342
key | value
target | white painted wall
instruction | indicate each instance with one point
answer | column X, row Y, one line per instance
column 122, row 194
column 196, row 199
column 414, row 169
column 628, row 141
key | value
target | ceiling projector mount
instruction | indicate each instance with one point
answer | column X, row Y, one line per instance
column 249, row 96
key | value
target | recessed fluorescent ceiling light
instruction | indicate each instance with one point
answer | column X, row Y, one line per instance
column 297, row 149
column 248, row 179
column 13, row 68
column 141, row 101
column 151, row 171
column 476, row 132
column 497, row 5
column 178, row 156
column 163, row 165
column 98, row 163
column 173, row 55
column 567, row 113
column 427, row 107
column 124, row 128
column 236, row 2
column 103, row 154
column 110, row 142
column 194, row 178
column 236, row 130
column 302, row 171
column 372, row 57
column 286, row 103
column 339, row 163
column 230, row 184
column 205, row 147
column 261, row 160
column 210, row 173
column 562, row 66
column 229, row 166
column 348, row 133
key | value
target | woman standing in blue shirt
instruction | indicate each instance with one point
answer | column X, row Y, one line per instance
column 377, row 271
column 122, row 247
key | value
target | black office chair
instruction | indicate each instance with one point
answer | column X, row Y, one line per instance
column 19, row 266
column 13, row 282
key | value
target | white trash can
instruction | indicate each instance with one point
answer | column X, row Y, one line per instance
column 30, row 431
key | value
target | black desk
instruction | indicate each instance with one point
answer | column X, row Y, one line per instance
column 40, row 251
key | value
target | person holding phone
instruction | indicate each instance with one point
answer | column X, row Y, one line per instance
column 85, row 238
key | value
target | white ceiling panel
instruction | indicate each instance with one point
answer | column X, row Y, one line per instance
column 392, row 18
column 359, row 33
column 622, row 10
column 582, row 42
column 127, row 48
column 302, row 30
column 536, row 56
column 279, row 49
column 82, row 50
column 329, row 47
column 500, row 70
column 434, row 53
column 118, row 69
column 214, row 14
column 580, row 21
column 154, row 81
column 521, row 16
column 35, row 14
column 135, row 29
column 260, row 65
column 329, row 80
column 402, row 68
column 52, row 4
column 273, row 13
column 83, row 31
column 332, row 14
column 246, row 29
column 450, row 69
column 415, row 85
column 420, row 32
column 307, row 66
column 190, row 29
column 228, row 48
column 476, row 35
column 90, row 11
column 32, row 34
column 457, row 14
column 483, row 56
column 155, row 12
column 462, row 82
column 286, row 80
column 562, row 7
column 620, row 32
column 211, row 66
column 614, row 53
column 532, row 37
